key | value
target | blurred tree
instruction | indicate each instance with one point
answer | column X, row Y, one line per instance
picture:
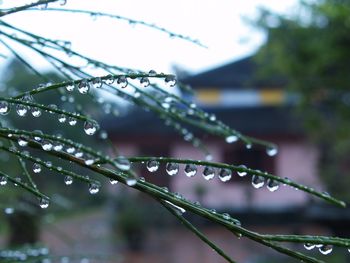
column 310, row 50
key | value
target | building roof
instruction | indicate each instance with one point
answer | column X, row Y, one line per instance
column 238, row 74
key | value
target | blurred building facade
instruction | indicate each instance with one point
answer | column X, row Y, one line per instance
column 254, row 106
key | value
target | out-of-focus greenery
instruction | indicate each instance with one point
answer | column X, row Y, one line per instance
column 310, row 50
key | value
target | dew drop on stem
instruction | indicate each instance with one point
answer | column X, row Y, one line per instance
column 36, row 112
column 131, row 181
column 97, row 83
column 36, row 168
column 3, row 180
column 22, row 141
column 90, row 127
column 72, row 121
column 271, row 151
column 258, row 181
column 152, row 165
column 190, row 170
column 94, row 188
column 231, row 138
column 70, row 87
column 225, row 175
column 44, row 203
column 272, row 185
column 22, row 110
column 152, row 73
column 122, row 163
column 113, row 181
column 170, row 81
column 144, row 82
column 326, row 249
column 68, row 180
column 62, row 118
column 172, row 168
column 122, row 82
column 309, row 246
column 208, row 173
column 109, row 80
column 242, row 173
column 46, row 145
column 84, row 87
column 4, row 107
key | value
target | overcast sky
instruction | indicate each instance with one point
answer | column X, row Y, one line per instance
column 217, row 24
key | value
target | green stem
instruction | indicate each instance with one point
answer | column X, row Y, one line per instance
column 197, row 232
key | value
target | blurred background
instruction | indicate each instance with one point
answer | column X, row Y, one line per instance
column 275, row 70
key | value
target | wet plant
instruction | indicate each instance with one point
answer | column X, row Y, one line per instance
column 37, row 150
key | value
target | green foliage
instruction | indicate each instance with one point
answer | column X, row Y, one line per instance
column 99, row 161
column 311, row 52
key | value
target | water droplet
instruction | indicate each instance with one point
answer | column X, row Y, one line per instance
column 4, row 107
column 90, row 127
column 9, row 210
column 48, row 164
column 22, row 141
column 152, row 165
column 248, row 146
column 258, row 181
column 231, row 138
column 89, row 161
column 208, row 173
column 84, row 87
column 242, row 173
column 144, row 82
column 79, row 154
column 122, row 82
column 70, row 149
column 113, row 181
column 131, row 181
column 309, row 246
column 46, row 145
column 177, row 208
column 190, row 170
column 72, row 121
column 22, row 110
column 122, row 163
column 226, row 216
column 212, row 117
column 326, row 249
column 271, row 151
column 58, row 147
column 94, row 188
column 18, row 179
column 70, row 87
column 97, row 83
column 36, row 168
column 44, row 203
column 272, row 185
column 152, row 73
column 52, row 107
column 3, row 180
column 62, row 118
column 109, row 80
column 172, row 168
column 209, row 157
column 68, row 180
column 36, row 112
column 170, row 80
column 225, row 175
